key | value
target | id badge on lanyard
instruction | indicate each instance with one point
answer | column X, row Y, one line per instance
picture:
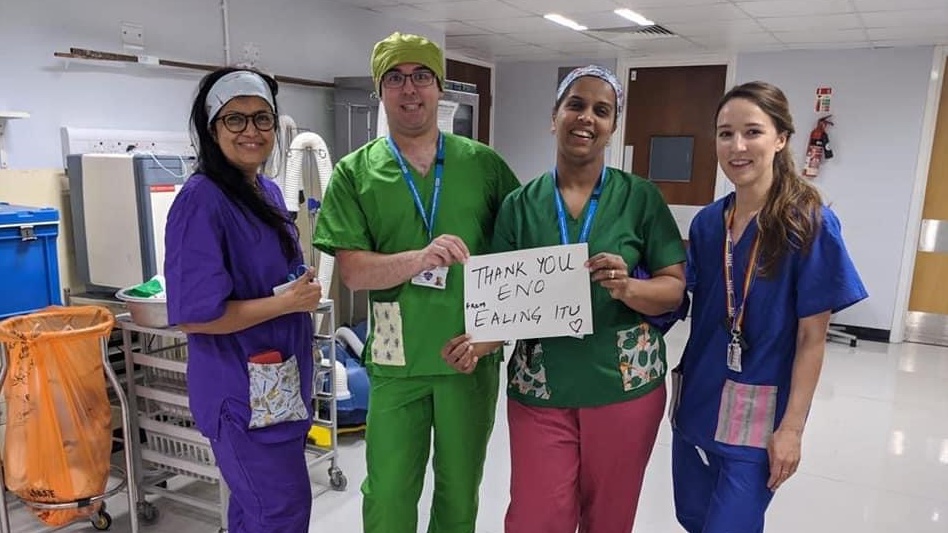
column 735, row 310
column 436, row 278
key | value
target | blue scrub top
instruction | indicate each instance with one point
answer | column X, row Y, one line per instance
column 216, row 251
column 733, row 414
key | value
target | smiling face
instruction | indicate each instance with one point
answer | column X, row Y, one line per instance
column 247, row 150
column 746, row 143
column 584, row 120
column 412, row 110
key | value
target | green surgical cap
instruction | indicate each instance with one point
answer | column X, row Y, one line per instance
column 400, row 48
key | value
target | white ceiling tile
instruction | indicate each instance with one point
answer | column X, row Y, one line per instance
column 529, row 58
column 761, row 47
column 901, row 5
column 827, row 22
column 827, row 46
column 511, row 25
column 473, row 53
column 486, row 42
column 906, row 18
column 404, row 11
column 590, row 48
column 553, row 36
column 701, row 25
column 369, row 3
column 736, row 39
column 453, row 27
column 639, row 4
column 784, row 8
column 803, row 37
column 521, row 49
column 899, row 43
column 566, row 7
column 908, row 32
column 602, row 19
column 699, row 13
column 674, row 46
column 718, row 27
column 465, row 10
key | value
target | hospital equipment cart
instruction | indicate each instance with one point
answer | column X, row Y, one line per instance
column 172, row 445
column 324, row 396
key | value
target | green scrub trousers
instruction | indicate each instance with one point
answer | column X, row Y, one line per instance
column 402, row 412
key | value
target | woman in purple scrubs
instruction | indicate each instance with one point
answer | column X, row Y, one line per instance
column 229, row 242
column 767, row 267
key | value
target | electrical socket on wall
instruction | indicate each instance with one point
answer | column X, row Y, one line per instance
column 104, row 141
column 133, row 35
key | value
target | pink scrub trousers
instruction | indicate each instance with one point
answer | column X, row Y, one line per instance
column 580, row 467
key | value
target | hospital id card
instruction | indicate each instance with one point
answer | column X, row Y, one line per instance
column 436, row 278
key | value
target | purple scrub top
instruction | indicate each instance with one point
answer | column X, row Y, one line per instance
column 216, row 251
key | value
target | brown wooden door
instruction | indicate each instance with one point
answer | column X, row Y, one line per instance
column 669, row 125
column 480, row 76
column 928, row 303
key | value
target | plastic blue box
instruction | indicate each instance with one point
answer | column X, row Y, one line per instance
column 29, row 266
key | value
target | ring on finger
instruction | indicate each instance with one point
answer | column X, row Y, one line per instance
column 612, row 274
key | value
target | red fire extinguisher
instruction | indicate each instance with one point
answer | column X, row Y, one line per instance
column 818, row 148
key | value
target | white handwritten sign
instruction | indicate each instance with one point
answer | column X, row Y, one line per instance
column 534, row 293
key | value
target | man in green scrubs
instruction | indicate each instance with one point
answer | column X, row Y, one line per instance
column 400, row 215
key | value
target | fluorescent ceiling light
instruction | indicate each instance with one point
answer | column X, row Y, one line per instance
column 634, row 17
column 560, row 19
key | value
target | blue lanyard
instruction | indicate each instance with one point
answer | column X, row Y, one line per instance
column 590, row 212
column 439, row 171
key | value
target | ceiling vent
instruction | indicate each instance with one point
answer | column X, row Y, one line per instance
column 654, row 30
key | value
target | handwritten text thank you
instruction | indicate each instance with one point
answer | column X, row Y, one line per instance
column 534, row 293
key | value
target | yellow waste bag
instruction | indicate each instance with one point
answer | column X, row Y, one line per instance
column 58, row 438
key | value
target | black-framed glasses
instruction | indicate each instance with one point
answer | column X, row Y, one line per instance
column 394, row 79
column 237, row 122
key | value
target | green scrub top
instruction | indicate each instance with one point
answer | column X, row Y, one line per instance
column 624, row 358
column 369, row 206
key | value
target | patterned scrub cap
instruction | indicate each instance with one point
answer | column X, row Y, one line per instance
column 595, row 71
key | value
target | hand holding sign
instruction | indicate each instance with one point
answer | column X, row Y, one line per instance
column 533, row 293
column 444, row 251
column 610, row 271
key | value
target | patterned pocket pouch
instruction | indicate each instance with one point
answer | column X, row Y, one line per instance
column 746, row 416
column 275, row 394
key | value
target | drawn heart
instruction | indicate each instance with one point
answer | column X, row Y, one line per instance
column 576, row 325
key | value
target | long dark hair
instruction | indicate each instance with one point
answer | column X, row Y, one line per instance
column 792, row 213
column 212, row 163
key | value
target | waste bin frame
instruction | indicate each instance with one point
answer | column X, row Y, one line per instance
column 127, row 483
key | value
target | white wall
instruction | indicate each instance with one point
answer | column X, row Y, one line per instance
column 315, row 39
column 878, row 106
column 879, row 99
column 522, row 116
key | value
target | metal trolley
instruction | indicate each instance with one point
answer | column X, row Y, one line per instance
column 167, row 439
column 172, row 445
column 324, row 396
column 101, row 520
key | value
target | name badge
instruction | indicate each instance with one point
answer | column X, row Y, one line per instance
column 436, row 278
column 734, row 352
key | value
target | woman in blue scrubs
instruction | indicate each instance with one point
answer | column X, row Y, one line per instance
column 767, row 267
column 229, row 242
